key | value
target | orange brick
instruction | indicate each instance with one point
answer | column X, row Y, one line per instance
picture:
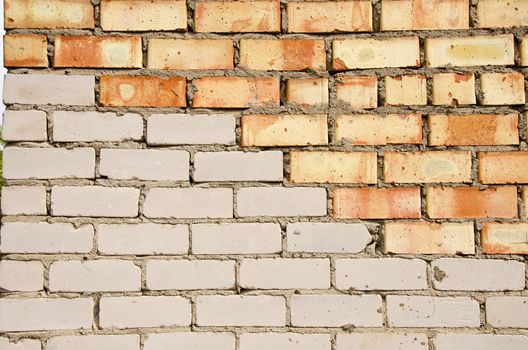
column 502, row 88
column 359, row 92
column 361, row 129
column 98, row 51
column 236, row 92
column 406, row 90
column 25, row 50
column 473, row 129
column 501, row 14
column 143, row 91
column 190, row 54
column 329, row 16
column 503, row 167
column 427, row 167
column 284, row 130
column 237, row 16
column 424, row 14
column 429, row 238
column 307, row 91
column 282, row 54
column 377, row 203
column 471, row 202
column 504, row 238
column 333, row 167
column 48, row 14
column 454, row 89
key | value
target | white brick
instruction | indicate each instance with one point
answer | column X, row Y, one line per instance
column 24, row 126
column 22, row 344
column 48, row 163
column 95, row 126
column 184, row 129
column 236, row 238
column 284, row 341
column 294, row 274
column 43, row 237
column 190, row 340
column 77, row 90
column 94, row 201
column 336, row 310
column 145, row 311
column 145, row 164
column 472, row 274
column 238, row 166
column 191, row 202
column 235, row 310
column 383, row 341
column 381, row 274
column 480, row 342
column 90, row 342
column 280, row 201
column 507, row 312
column 94, row 276
column 426, row 311
column 45, row 314
column 327, row 237
column 25, row 276
column 24, row 200
column 190, row 274
column 143, row 239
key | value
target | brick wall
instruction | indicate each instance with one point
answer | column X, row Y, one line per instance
column 255, row 175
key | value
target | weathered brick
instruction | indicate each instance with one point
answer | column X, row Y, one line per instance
column 25, row 50
column 501, row 14
column 429, row 238
column 507, row 312
column 284, row 341
column 25, row 276
column 96, row 201
column 470, row 51
column 358, row 92
column 236, row 92
column 502, row 167
column 24, row 126
column 191, row 202
column 190, row 340
column 427, row 166
column 143, row 91
column 20, row 344
column 24, row 200
column 473, row 129
column 502, row 88
column 525, row 200
column 307, row 91
column 504, row 238
column 190, row 54
column 383, row 341
column 462, row 341
column 284, row 130
column 364, row 53
column 333, row 167
column 405, row 90
column 377, row 203
column 454, row 89
column 523, row 48
column 313, row 237
column 105, row 51
column 100, row 342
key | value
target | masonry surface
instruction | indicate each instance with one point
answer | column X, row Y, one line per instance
column 255, row 175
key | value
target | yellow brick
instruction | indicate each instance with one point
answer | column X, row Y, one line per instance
column 25, row 50
column 333, row 167
column 358, row 92
column 504, row 238
column 307, row 91
column 406, row 90
column 454, row 89
column 502, row 88
column 525, row 201
column 502, row 13
column 524, row 51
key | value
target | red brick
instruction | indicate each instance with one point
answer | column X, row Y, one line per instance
column 503, row 167
column 25, row 50
column 358, row 92
column 504, row 238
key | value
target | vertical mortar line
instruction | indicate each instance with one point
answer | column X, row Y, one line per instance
column 193, row 311
column 287, row 300
column 333, row 284
column 238, row 288
column 333, row 340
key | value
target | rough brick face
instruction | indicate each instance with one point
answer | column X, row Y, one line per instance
column 24, row 126
column 502, row 88
column 503, row 167
column 498, row 14
column 307, row 91
column 504, row 238
column 454, row 89
column 405, row 90
column 358, row 92
column 25, row 50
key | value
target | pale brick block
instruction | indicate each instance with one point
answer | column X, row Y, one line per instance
column 381, row 274
column 144, row 311
column 90, row 342
column 383, row 341
column 307, row 91
column 46, row 238
column 190, row 274
column 523, row 48
column 426, row 311
column 501, row 14
column 94, row 276
column 238, row 166
column 142, row 239
column 284, row 341
column 235, row 310
column 48, row 163
column 454, row 89
column 190, row 340
column 24, row 126
column 198, row 129
column 507, row 312
column 471, row 274
column 95, row 201
column 145, row 164
column 502, row 88
column 45, row 314
column 193, row 202
column 294, row 274
column 406, row 90
column 280, row 201
column 336, row 310
column 77, row 90
column 24, row 276
column 480, row 342
column 96, row 126
column 24, row 200
column 358, row 92
column 505, row 238
column 327, row 237
column 236, row 238
column 21, row 344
